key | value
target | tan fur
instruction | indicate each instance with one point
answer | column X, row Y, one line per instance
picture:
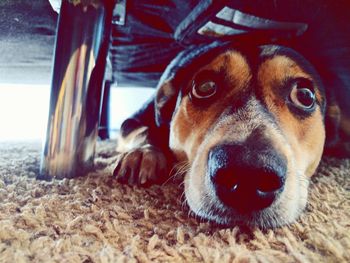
column 345, row 124
column 165, row 91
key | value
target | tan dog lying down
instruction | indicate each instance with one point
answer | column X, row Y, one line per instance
column 249, row 123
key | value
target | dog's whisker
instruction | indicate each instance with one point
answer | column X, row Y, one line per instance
column 184, row 201
column 183, row 169
column 181, row 184
column 168, row 180
column 177, row 170
column 174, row 168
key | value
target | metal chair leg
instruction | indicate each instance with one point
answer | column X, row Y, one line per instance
column 82, row 43
column 103, row 130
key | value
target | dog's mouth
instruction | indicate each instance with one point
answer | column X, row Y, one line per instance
column 276, row 211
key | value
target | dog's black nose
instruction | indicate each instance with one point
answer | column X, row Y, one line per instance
column 245, row 178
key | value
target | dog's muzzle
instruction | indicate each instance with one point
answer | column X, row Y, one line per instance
column 245, row 177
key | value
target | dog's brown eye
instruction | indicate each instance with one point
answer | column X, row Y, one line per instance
column 203, row 90
column 303, row 96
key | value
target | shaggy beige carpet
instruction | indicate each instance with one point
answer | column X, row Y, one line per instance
column 94, row 219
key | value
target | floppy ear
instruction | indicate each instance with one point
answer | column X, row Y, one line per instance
column 169, row 87
column 337, row 131
column 332, row 123
column 165, row 102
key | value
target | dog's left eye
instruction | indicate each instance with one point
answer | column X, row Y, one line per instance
column 203, row 90
column 303, row 95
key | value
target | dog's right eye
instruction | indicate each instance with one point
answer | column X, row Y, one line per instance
column 203, row 90
column 303, row 95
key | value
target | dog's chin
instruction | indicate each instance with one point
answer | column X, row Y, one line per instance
column 203, row 201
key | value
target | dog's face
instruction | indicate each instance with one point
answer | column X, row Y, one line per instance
column 251, row 127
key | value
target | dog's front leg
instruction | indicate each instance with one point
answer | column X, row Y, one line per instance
column 144, row 156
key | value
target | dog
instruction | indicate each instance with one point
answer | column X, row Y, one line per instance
column 249, row 123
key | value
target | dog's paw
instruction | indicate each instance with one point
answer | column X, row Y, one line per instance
column 141, row 166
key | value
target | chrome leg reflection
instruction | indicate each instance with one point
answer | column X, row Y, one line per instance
column 77, row 84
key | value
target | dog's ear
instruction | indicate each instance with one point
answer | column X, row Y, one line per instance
column 169, row 87
column 165, row 102
column 332, row 123
column 337, row 131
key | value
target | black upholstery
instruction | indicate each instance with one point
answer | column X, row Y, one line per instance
column 155, row 31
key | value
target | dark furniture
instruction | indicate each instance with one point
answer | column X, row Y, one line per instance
column 147, row 34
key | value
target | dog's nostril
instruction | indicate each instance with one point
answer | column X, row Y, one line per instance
column 225, row 177
column 269, row 181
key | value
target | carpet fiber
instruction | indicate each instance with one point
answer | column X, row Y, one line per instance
column 94, row 219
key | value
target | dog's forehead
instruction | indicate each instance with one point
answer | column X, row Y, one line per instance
column 255, row 56
column 190, row 61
